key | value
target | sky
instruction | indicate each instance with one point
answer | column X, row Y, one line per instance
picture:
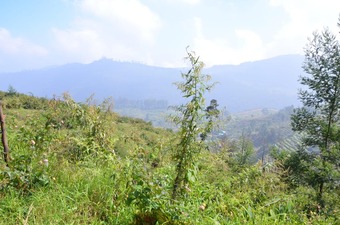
column 42, row 33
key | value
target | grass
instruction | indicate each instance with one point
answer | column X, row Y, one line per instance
column 96, row 193
column 133, row 184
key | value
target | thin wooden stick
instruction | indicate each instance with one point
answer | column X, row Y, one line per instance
column 25, row 221
column 3, row 135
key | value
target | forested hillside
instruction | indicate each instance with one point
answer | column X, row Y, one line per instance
column 104, row 122
column 265, row 128
column 81, row 163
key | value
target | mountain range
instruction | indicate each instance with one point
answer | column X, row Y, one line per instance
column 269, row 83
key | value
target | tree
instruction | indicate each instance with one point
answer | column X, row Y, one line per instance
column 11, row 91
column 240, row 152
column 191, row 123
column 319, row 118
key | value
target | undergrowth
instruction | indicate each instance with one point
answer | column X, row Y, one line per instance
column 83, row 164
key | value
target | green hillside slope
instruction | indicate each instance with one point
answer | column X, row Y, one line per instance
column 80, row 163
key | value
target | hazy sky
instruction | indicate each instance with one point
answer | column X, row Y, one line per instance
column 40, row 33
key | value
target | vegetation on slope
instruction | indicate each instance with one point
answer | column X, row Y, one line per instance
column 74, row 163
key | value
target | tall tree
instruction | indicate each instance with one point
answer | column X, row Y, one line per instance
column 319, row 118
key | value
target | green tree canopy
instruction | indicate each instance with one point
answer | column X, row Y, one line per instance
column 319, row 118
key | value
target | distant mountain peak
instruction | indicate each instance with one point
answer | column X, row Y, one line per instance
column 269, row 83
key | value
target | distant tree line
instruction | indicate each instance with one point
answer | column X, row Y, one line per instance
column 11, row 99
column 140, row 104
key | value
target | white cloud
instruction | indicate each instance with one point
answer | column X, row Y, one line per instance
column 130, row 30
column 129, row 14
column 15, row 45
column 189, row 2
column 87, row 45
column 252, row 47
column 220, row 50
column 17, row 53
column 305, row 16
column 118, row 29
column 84, row 44
column 315, row 10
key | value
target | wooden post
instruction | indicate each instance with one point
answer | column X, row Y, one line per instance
column 3, row 135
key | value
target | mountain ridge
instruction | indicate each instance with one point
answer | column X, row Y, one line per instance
column 269, row 83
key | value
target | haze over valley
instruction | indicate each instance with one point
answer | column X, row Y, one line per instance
column 270, row 83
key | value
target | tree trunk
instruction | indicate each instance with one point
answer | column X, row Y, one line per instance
column 177, row 180
column 319, row 196
column 3, row 135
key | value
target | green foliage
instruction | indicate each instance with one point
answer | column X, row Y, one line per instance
column 75, row 163
column 11, row 91
column 238, row 154
column 148, row 188
column 95, row 132
column 242, row 153
column 265, row 128
column 30, row 147
column 14, row 100
column 319, row 118
column 190, row 120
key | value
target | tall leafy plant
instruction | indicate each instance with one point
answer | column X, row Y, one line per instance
column 191, row 119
